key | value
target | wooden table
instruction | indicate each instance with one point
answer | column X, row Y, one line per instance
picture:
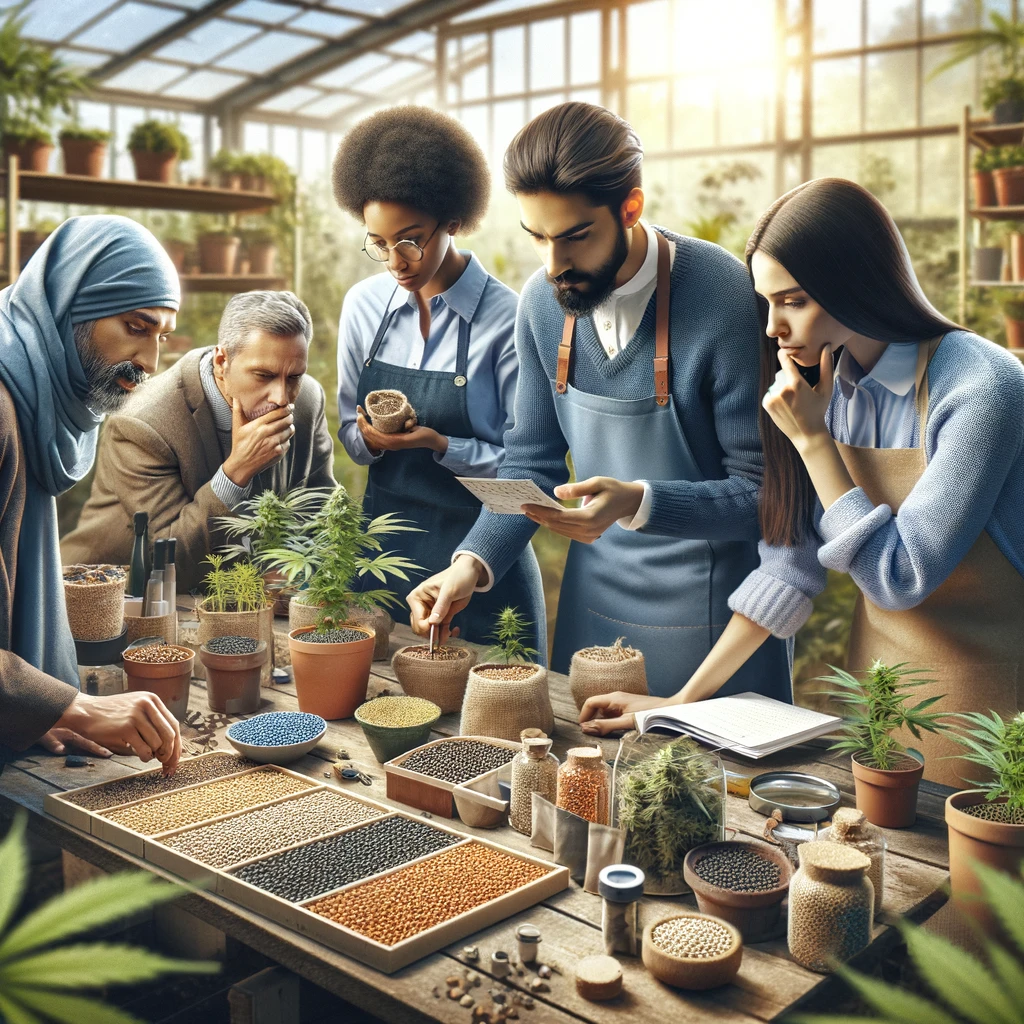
column 768, row 985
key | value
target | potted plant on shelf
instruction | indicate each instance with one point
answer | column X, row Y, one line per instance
column 508, row 693
column 84, row 149
column 886, row 774
column 262, row 250
column 30, row 141
column 177, row 249
column 1008, row 176
column 228, row 166
column 218, row 252
column 331, row 659
column 985, row 163
column 986, row 824
column 156, row 147
column 236, row 604
column 597, row 670
column 1013, row 318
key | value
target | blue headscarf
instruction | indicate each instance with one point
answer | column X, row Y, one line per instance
column 89, row 268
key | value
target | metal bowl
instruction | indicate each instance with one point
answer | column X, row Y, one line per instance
column 799, row 796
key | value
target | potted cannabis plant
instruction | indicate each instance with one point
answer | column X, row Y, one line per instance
column 886, row 774
column 986, row 824
column 331, row 659
column 509, row 692
column 156, row 147
column 236, row 603
column 84, row 149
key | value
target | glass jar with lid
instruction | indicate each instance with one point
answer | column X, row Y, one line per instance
column 585, row 785
column 534, row 770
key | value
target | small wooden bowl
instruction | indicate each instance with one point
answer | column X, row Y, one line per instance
column 693, row 973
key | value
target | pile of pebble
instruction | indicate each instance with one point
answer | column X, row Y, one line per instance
column 457, row 761
column 407, row 902
column 153, row 783
column 739, row 868
column 694, row 938
column 398, row 712
column 86, row 574
column 191, row 806
column 157, row 654
column 333, row 636
column 267, row 829
column 232, row 645
column 307, row 871
column 278, row 728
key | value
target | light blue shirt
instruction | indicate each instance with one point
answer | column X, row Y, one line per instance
column 493, row 366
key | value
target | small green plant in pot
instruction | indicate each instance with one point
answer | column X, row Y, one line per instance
column 986, row 824
column 508, row 692
column 331, row 659
column 156, row 147
column 886, row 773
column 1013, row 318
column 84, row 149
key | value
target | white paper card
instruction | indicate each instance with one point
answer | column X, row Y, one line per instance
column 505, row 496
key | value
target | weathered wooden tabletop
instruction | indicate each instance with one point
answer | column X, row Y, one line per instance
column 769, row 982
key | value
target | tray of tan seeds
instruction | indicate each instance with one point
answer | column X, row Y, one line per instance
column 378, row 884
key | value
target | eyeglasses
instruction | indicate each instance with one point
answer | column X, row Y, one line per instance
column 408, row 251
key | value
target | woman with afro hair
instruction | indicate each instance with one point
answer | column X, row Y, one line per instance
column 438, row 327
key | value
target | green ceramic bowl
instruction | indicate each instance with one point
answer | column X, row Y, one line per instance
column 388, row 741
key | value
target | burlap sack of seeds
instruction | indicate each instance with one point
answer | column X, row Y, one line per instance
column 95, row 610
column 301, row 615
column 597, row 670
column 442, row 682
column 258, row 625
column 389, row 411
column 152, row 625
column 503, row 708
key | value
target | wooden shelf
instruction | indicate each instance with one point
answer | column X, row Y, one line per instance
column 229, row 282
column 998, row 212
column 986, row 134
column 73, row 188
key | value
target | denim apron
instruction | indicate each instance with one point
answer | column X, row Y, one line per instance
column 667, row 596
column 414, row 485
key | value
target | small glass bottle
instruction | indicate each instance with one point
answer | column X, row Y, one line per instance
column 534, row 770
column 140, row 553
column 851, row 828
column 585, row 784
column 620, row 886
column 831, row 905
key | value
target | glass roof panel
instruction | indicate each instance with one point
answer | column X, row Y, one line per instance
column 204, row 85
column 267, row 51
column 415, row 42
column 326, row 23
column 347, row 73
column 499, row 7
column 82, row 58
column 376, row 8
column 128, row 25
column 291, row 98
column 263, row 10
column 387, row 78
column 329, row 105
column 51, row 22
column 208, row 40
column 146, row 76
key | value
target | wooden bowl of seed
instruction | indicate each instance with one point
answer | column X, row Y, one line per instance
column 393, row 725
column 692, row 951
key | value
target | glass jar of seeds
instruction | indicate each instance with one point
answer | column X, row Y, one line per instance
column 534, row 770
column 831, row 905
column 851, row 828
column 585, row 785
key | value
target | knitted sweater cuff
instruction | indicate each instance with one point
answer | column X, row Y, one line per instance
column 671, row 511
column 846, row 526
column 772, row 603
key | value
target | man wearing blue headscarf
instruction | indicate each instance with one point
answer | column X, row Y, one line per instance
column 79, row 330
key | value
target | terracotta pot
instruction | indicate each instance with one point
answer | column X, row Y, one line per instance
column 757, row 915
column 302, row 614
column 233, row 680
column 84, row 156
column 262, row 256
column 218, row 253
column 1017, row 256
column 1014, row 333
column 258, row 625
column 994, row 843
column 231, row 180
column 987, row 263
column 170, row 682
column 248, row 182
column 176, row 250
column 259, row 183
column 32, row 156
column 331, row 679
column 1009, row 183
column 887, row 798
column 154, row 166
column 984, row 188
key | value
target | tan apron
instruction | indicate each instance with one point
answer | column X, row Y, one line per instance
column 968, row 634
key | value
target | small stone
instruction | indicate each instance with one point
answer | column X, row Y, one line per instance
column 327, row 775
column 473, row 978
column 481, row 1013
column 511, row 1013
column 435, row 992
column 539, row 985
column 498, row 996
column 75, row 761
column 471, row 953
column 528, row 1002
column 544, row 971
column 452, row 980
column 467, row 1001
column 343, row 755
column 456, row 993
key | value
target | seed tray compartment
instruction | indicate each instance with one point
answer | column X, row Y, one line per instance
column 65, row 806
column 133, row 841
column 428, row 793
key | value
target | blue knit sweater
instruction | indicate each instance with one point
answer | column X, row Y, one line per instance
column 974, row 443
column 714, row 334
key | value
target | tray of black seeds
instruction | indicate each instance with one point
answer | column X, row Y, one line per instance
column 316, row 868
column 426, row 776
column 74, row 805
column 195, row 852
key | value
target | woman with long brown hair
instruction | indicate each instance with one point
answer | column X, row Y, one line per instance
column 894, row 451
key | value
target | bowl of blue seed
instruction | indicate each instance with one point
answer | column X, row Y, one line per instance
column 277, row 737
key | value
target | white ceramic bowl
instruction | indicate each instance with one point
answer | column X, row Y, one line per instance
column 283, row 753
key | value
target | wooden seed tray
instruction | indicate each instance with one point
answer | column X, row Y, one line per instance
column 430, row 794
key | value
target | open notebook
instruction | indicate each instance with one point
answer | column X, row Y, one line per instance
column 747, row 723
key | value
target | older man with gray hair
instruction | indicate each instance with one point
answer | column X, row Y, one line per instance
column 223, row 423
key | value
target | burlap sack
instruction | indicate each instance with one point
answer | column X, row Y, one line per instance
column 502, row 708
column 301, row 615
column 388, row 410
column 443, row 682
column 152, row 625
column 258, row 625
column 613, row 668
column 95, row 610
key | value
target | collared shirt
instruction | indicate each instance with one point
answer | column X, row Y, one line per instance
column 491, row 374
column 228, row 492
column 876, row 409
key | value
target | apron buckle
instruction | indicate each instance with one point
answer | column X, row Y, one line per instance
column 460, row 381
column 661, row 400
column 560, row 387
